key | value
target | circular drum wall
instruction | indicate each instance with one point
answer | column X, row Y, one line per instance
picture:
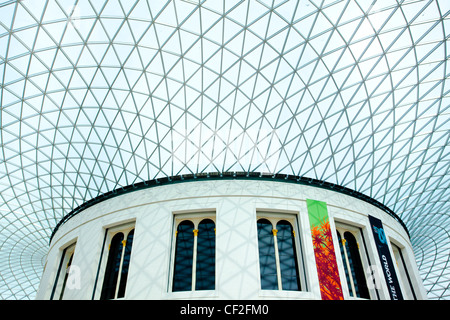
column 231, row 239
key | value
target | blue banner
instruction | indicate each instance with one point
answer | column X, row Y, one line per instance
column 385, row 259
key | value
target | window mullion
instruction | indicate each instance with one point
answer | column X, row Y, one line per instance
column 194, row 259
column 277, row 258
column 124, row 243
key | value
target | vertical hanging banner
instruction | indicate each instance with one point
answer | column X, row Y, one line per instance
column 385, row 259
column 327, row 269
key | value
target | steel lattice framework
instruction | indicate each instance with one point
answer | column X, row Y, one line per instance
column 96, row 95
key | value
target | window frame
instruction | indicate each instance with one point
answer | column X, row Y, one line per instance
column 293, row 219
column 125, row 228
column 196, row 218
column 357, row 232
column 400, row 256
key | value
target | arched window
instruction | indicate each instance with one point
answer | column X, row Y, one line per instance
column 267, row 260
column 353, row 266
column 182, row 276
column 288, row 256
column 116, row 272
column 195, row 256
column 278, row 259
column 125, row 264
column 112, row 267
column 347, row 276
column 206, row 256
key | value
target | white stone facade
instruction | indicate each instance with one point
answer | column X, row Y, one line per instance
column 235, row 205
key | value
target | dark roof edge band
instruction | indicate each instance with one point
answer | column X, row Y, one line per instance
column 227, row 175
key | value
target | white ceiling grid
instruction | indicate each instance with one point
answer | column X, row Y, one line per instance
column 101, row 94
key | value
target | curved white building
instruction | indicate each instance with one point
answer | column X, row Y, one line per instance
column 231, row 236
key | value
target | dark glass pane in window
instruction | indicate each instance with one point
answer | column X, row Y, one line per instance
column 356, row 266
column 267, row 262
column 345, row 265
column 288, row 257
column 182, row 277
column 125, row 265
column 206, row 258
column 112, row 267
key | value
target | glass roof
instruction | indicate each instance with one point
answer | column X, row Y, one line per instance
column 101, row 94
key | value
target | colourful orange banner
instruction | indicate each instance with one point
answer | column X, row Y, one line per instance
column 327, row 269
